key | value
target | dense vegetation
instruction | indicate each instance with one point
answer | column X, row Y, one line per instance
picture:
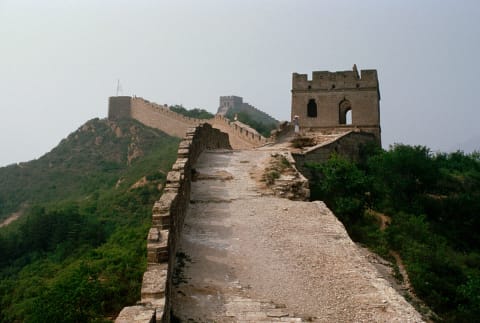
column 78, row 252
column 433, row 201
column 192, row 113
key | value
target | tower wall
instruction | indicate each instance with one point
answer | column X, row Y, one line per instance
column 119, row 107
column 335, row 93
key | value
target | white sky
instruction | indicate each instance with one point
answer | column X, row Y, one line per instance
column 60, row 61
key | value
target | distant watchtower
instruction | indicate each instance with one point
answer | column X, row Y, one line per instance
column 337, row 101
column 228, row 102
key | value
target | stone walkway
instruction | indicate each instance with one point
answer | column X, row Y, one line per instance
column 247, row 256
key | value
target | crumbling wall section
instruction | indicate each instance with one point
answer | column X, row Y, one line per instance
column 348, row 146
column 167, row 223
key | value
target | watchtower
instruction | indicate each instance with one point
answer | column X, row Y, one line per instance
column 228, row 102
column 336, row 101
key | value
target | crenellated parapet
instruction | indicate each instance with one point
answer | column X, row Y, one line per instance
column 337, row 101
column 336, row 81
column 168, row 215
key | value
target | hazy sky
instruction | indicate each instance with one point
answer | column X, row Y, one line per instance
column 60, row 61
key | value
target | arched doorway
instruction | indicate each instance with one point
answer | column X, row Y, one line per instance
column 345, row 115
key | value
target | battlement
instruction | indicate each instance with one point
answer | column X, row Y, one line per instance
column 344, row 99
column 336, row 81
column 228, row 102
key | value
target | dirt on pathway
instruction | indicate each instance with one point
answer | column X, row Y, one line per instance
column 247, row 256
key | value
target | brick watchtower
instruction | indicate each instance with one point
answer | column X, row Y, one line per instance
column 336, row 101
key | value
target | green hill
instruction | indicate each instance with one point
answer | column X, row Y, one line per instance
column 78, row 251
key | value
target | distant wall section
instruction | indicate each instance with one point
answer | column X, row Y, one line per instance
column 161, row 117
column 119, row 107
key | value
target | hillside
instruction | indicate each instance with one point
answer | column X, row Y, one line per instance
column 77, row 253
column 91, row 158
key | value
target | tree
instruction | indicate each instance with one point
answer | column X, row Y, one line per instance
column 341, row 185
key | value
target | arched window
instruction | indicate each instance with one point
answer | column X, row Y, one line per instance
column 311, row 109
column 345, row 115
column 348, row 117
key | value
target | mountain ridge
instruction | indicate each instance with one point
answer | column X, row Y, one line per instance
column 92, row 155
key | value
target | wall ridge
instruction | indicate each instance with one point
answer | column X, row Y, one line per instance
column 168, row 214
column 161, row 117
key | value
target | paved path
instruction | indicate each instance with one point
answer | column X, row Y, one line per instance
column 246, row 256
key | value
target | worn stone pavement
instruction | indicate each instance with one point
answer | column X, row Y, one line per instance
column 247, row 256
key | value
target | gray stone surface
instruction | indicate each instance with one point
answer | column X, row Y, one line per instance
column 252, row 257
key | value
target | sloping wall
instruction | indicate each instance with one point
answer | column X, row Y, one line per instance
column 161, row 117
column 167, row 222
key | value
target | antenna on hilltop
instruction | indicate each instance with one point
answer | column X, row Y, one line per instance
column 119, row 87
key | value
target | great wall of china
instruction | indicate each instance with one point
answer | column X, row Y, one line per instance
column 225, row 246
column 174, row 124
column 247, row 255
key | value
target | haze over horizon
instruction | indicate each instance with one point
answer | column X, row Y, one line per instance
column 60, row 61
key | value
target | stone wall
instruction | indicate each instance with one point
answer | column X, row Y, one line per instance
column 161, row 117
column 119, row 107
column 348, row 146
column 167, row 222
column 235, row 130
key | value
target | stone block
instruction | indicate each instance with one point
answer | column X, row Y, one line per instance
column 185, row 144
column 157, row 252
column 174, row 178
column 161, row 221
column 163, row 205
column 180, row 164
column 153, row 235
column 136, row 314
column 183, row 152
column 154, row 283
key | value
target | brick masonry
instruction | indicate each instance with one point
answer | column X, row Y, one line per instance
column 168, row 215
column 333, row 95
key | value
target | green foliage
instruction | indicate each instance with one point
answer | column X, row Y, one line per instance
column 433, row 201
column 470, row 293
column 78, row 253
column 402, row 175
column 341, row 185
column 59, row 230
column 89, row 159
column 192, row 113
